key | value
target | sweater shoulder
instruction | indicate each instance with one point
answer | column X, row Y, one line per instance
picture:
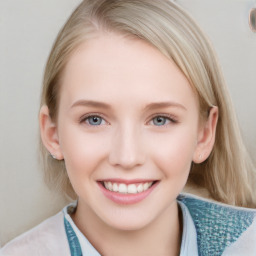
column 218, row 225
column 47, row 238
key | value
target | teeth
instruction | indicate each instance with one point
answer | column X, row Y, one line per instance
column 115, row 187
column 140, row 188
column 122, row 188
column 127, row 189
column 145, row 186
column 131, row 189
column 110, row 187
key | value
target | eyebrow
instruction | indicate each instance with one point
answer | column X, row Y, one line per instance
column 91, row 103
column 165, row 104
column 151, row 106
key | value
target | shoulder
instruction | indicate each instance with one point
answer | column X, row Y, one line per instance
column 47, row 238
column 221, row 227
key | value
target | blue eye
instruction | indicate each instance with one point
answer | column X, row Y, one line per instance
column 160, row 120
column 94, row 120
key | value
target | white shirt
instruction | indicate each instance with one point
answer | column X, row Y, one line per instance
column 201, row 217
column 188, row 244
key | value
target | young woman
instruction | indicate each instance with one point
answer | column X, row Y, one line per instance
column 134, row 108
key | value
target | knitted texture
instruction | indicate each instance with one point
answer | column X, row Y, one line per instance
column 73, row 241
column 217, row 225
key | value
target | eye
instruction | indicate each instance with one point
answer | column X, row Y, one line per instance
column 162, row 120
column 94, row 120
column 159, row 120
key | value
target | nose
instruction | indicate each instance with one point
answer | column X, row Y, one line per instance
column 127, row 149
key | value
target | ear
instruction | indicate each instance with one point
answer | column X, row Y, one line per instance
column 206, row 137
column 49, row 133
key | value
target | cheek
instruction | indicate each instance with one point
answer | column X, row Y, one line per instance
column 173, row 153
column 82, row 152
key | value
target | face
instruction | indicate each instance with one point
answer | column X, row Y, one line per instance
column 128, row 129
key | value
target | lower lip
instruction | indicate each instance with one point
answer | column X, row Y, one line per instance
column 126, row 199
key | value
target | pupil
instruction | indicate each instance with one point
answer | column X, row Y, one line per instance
column 159, row 120
column 95, row 120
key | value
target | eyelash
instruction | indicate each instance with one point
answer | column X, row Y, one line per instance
column 86, row 117
column 170, row 118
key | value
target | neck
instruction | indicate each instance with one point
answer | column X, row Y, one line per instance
column 161, row 237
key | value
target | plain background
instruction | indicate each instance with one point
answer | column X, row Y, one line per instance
column 27, row 31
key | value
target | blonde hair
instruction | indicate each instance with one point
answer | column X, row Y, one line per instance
column 228, row 173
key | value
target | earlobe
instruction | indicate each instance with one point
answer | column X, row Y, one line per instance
column 49, row 135
column 206, row 137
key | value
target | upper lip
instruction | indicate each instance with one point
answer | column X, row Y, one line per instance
column 127, row 182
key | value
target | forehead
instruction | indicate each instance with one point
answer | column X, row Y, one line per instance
column 116, row 67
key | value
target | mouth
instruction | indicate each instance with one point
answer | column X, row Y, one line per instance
column 127, row 192
column 132, row 188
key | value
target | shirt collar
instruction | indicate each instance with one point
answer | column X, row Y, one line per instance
column 188, row 243
column 189, row 236
column 86, row 247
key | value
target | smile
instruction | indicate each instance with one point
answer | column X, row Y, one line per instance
column 127, row 189
column 125, row 193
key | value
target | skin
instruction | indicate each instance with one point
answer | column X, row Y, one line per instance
column 134, row 79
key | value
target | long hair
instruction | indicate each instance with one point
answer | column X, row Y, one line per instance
column 228, row 174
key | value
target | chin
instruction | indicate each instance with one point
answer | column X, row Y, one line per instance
column 125, row 220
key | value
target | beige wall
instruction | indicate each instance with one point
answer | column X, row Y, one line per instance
column 226, row 23
column 27, row 30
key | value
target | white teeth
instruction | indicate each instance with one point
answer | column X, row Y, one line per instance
column 122, row 188
column 132, row 189
column 127, row 189
column 110, row 187
column 140, row 188
column 106, row 185
column 115, row 187
column 145, row 186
